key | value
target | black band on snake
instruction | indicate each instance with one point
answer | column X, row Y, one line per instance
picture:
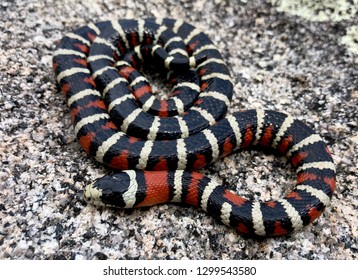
column 159, row 143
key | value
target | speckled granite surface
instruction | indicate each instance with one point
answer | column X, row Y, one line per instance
column 289, row 56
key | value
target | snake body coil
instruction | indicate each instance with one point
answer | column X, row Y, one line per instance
column 157, row 143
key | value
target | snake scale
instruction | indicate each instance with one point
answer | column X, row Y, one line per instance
column 157, row 144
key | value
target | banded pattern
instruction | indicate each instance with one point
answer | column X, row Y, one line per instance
column 157, row 143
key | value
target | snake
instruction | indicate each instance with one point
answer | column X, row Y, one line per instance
column 154, row 146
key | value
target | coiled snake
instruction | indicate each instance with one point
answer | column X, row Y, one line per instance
column 158, row 143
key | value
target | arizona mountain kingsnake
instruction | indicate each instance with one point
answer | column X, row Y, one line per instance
column 123, row 125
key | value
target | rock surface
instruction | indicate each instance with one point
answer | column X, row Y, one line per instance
column 281, row 57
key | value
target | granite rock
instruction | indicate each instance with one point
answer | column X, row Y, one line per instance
column 280, row 59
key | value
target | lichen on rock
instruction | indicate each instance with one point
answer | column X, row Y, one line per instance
column 321, row 10
column 351, row 39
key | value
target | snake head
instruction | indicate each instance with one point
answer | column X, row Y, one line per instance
column 110, row 190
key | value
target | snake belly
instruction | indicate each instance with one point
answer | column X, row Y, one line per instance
column 158, row 144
